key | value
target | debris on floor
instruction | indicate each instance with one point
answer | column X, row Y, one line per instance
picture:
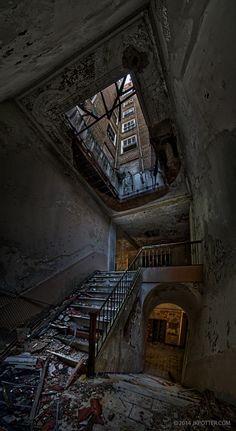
column 40, row 398
column 43, row 386
column 20, row 378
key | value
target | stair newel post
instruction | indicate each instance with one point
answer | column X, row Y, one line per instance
column 92, row 343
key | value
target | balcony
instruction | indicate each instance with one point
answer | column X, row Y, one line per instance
column 116, row 191
column 171, row 263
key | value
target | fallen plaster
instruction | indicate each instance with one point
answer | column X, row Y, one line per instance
column 44, row 387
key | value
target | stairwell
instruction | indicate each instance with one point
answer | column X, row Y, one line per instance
column 90, row 299
column 92, row 323
column 95, row 299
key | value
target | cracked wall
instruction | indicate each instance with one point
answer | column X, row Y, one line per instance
column 198, row 50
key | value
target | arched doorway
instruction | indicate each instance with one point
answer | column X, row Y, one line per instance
column 165, row 341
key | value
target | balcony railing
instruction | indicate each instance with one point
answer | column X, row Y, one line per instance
column 140, row 182
column 172, row 254
column 93, row 149
column 102, row 321
column 129, row 186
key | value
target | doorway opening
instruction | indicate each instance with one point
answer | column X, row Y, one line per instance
column 166, row 335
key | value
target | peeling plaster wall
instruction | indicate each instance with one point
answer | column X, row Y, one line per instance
column 93, row 70
column 198, row 41
column 123, row 349
column 48, row 220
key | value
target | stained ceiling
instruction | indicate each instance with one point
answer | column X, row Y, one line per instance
column 164, row 220
column 36, row 36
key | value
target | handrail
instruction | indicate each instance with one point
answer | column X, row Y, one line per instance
column 131, row 185
column 124, row 288
column 101, row 321
column 120, row 280
column 163, row 254
column 170, row 244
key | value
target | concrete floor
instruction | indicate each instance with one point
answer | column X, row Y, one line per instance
column 129, row 402
column 137, row 400
column 164, row 360
column 120, row 402
column 69, row 401
column 140, row 402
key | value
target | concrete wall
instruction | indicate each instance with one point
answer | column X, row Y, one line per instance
column 197, row 40
column 37, row 300
column 48, row 220
column 185, row 295
column 174, row 274
column 123, row 349
column 139, row 158
column 112, row 248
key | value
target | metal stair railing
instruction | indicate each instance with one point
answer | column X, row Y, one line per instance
column 102, row 321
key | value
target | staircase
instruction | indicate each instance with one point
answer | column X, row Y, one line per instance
column 99, row 299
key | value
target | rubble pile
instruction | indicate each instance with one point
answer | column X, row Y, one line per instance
column 49, row 390
column 43, row 383
column 37, row 375
column 46, row 387
column 20, row 378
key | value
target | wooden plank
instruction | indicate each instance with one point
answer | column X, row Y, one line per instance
column 38, row 394
column 68, row 360
column 73, row 376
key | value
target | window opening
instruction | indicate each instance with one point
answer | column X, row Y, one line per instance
column 111, row 134
column 126, row 127
column 128, row 144
column 128, row 112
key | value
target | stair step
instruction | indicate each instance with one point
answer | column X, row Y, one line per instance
column 92, row 298
column 102, row 277
column 89, row 309
column 104, row 285
column 76, row 343
column 93, row 302
column 74, row 330
column 105, row 280
column 84, row 321
column 96, row 288
column 85, row 308
column 96, row 302
column 108, row 282
column 114, row 272
column 82, row 334
column 102, row 291
column 109, row 274
column 102, row 294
